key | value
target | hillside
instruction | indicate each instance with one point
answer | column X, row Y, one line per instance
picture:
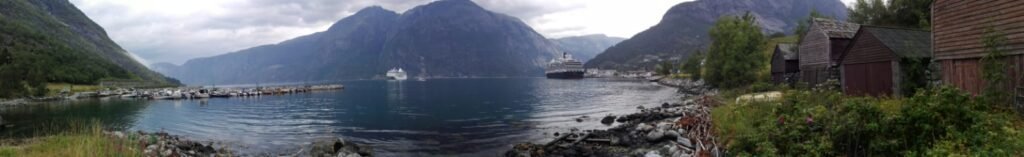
column 683, row 29
column 449, row 38
column 586, row 47
column 52, row 41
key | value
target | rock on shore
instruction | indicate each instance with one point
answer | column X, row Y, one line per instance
column 671, row 129
column 338, row 147
column 163, row 144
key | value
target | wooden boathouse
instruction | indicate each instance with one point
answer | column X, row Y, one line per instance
column 879, row 60
column 820, row 48
column 958, row 28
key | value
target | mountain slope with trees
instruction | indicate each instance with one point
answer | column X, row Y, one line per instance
column 683, row 29
column 46, row 41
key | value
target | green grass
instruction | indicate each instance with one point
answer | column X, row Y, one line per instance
column 55, row 88
column 85, row 140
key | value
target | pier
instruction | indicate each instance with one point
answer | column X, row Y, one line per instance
column 202, row 92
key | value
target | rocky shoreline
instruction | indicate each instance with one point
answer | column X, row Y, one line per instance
column 161, row 144
column 671, row 129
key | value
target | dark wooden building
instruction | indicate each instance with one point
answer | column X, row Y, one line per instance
column 876, row 61
column 820, row 48
column 785, row 64
column 958, row 27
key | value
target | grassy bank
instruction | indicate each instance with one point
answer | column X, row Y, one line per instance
column 84, row 139
column 55, row 88
column 937, row 122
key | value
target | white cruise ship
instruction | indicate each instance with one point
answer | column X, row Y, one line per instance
column 565, row 68
column 397, row 74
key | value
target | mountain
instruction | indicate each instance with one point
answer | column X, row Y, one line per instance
column 448, row 38
column 585, row 47
column 684, row 28
column 54, row 38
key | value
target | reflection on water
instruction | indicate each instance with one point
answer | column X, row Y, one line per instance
column 475, row 117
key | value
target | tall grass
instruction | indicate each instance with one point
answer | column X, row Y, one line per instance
column 85, row 139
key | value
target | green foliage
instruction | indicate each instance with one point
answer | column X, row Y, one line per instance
column 898, row 13
column 805, row 24
column 993, row 68
column 692, row 65
column 935, row 122
column 31, row 59
column 664, row 68
column 734, row 58
column 915, row 75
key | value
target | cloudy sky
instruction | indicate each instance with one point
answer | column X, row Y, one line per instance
column 175, row 31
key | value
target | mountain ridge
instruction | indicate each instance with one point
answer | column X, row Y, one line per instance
column 449, row 38
column 683, row 29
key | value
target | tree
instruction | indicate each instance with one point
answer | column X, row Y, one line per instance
column 993, row 67
column 692, row 65
column 664, row 68
column 897, row 13
column 805, row 24
column 734, row 57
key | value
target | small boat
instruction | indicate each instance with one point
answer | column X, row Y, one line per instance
column 202, row 94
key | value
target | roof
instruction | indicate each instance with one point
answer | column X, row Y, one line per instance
column 787, row 51
column 905, row 43
column 836, row 29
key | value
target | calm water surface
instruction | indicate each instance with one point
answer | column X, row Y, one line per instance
column 475, row 117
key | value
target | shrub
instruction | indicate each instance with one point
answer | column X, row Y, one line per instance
column 934, row 122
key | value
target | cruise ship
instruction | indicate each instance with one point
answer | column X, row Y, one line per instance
column 397, row 74
column 564, row 68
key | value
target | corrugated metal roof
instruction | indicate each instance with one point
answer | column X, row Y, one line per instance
column 904, row 42
column 836, row 29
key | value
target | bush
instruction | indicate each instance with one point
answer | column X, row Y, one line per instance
column 935, row 122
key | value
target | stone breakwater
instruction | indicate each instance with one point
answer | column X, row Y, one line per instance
column 671, row 129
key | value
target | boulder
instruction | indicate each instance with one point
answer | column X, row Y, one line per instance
column 644, row 127
column 685, row 142
column 333, row 147
column 655, row 135
column 652, row 154
column 607, row 120
column 672, row 134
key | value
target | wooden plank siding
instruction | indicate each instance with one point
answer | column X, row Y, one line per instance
column 781, row 67
column 778, row 66
column 958, row 29
column 868, row 79
column 814, row 50
column 867, row 49
column 868, row 67
column 966, row 73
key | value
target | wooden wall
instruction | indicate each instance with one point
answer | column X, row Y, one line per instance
column 867, row 49
column 868, row 67
column 814, row 47
column 868, row 79
column 966, row 73
column 958, row 28
column 814, row 52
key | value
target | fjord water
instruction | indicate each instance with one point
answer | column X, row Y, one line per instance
column 434, row 117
